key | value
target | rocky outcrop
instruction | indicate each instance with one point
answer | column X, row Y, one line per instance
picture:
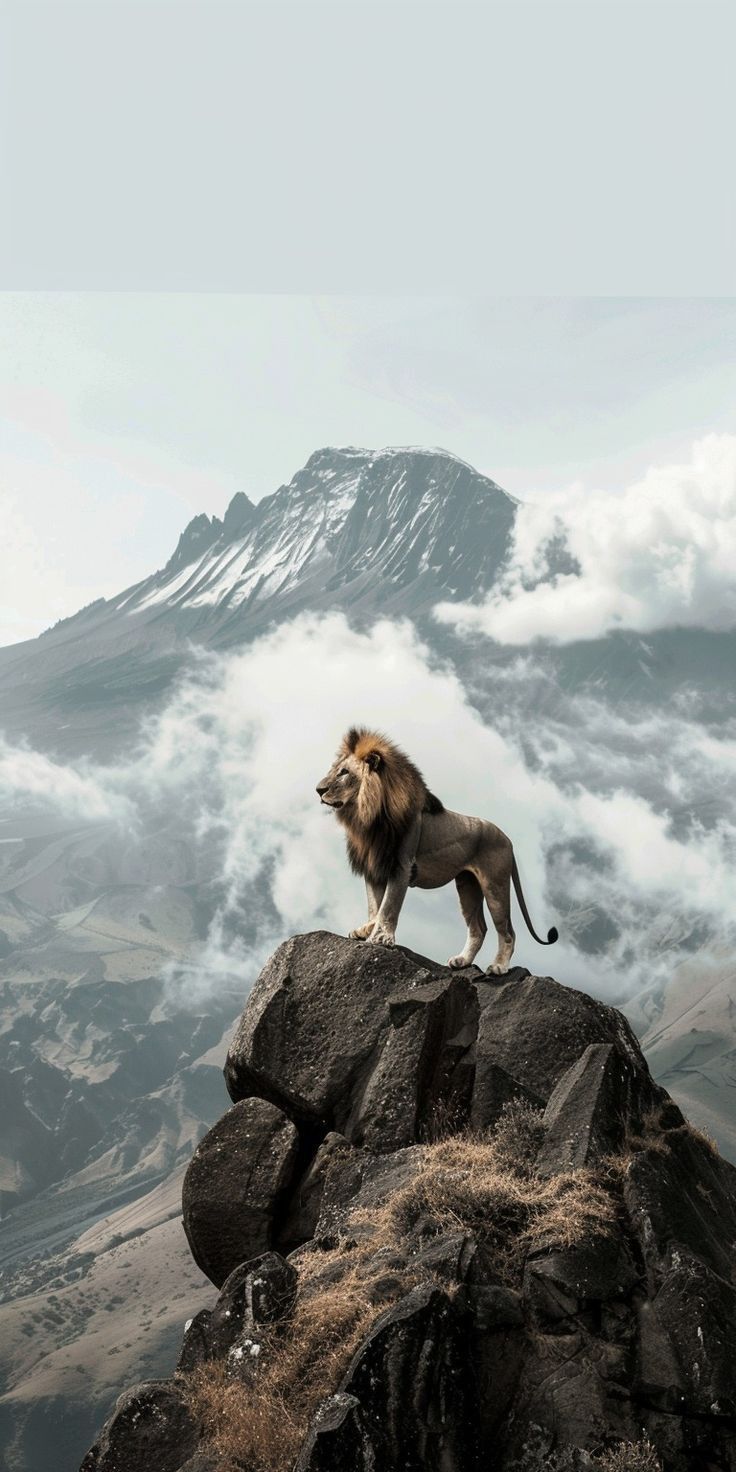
column 237, row 1176
column 454, row 1223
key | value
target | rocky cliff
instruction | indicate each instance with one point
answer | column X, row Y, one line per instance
column 453, row 1224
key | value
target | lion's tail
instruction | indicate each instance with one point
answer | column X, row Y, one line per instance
column 551, row 934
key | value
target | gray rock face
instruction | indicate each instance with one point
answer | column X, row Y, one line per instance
column 312, row 1025
column 404, row 1402
column 152, row 1427
column 234, row 1185
column 602, row 1098
column 535, row 1029
column 355, row 1072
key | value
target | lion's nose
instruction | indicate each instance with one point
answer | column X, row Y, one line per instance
column 322, row 787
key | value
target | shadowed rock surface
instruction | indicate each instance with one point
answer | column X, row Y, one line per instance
column 368, row 1082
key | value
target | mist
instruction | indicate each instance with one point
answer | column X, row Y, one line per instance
column 658, row 554
column 623, row 828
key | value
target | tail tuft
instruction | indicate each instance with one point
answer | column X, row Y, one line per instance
column 552, row 936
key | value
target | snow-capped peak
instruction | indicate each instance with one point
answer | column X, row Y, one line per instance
column 397, row 528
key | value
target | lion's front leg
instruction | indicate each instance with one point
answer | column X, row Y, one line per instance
column 361, row 932
column 384, row 930
column 374, row 896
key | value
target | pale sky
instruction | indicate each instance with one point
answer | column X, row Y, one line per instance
column 124, row 414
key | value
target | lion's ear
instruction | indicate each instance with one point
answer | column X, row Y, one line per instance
column 374, row 760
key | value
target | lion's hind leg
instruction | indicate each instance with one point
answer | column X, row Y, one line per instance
column 470, row 896
column 497, row 890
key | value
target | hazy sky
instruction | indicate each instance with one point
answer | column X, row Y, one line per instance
column 125, row 414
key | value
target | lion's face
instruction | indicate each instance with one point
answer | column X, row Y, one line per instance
column 341, row 786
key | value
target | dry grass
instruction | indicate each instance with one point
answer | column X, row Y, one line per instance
column 629, row 1456
column 260, row 1424
column 485, row 1187
column 702, row 1137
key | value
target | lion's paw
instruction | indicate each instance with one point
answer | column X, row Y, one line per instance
column 458, row 962
column 362, row 932
column 496, row 970
column 382, row 938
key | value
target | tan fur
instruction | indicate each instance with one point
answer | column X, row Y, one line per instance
column 398, row 834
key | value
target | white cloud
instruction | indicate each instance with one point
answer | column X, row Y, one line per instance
column 234, row 758
column 82, row 793
column 662, row 553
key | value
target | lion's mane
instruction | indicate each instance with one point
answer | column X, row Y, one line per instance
column 392, row 792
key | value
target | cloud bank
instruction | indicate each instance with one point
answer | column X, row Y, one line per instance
column 660, row 554
column 624, row 830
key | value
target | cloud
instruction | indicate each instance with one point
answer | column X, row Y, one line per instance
column 617, row 847
column 660, row 554
column 82, row 793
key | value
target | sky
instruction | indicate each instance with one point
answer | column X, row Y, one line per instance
column 124, row 414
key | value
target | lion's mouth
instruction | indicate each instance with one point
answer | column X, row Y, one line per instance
column 327, row 804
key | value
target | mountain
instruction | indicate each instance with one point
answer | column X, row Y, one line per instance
column 372, row 533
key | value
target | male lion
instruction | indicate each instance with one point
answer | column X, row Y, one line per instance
column 399, row 834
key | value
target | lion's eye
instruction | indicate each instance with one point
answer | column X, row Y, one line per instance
column 343, row 772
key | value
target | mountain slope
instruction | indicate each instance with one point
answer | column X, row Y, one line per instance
column 388, row 532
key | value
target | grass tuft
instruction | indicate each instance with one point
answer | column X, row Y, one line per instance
column 629, row 1456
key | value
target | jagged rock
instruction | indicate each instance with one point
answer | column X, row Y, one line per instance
column 696, row 1311
column 313, row 1023
column 195, row 1346
column 599, row 1100
column 257, row 1294
column 535, row 1029
column 493, row 1088
column 363, row 1182
column 570, row 1395
column 598, row 1269
column 151, row 1426
column 203, row 1462
column 423, row 1079
column 336, row 1438
column 680, row 1193
column 407, row 1403
column 235, row 1184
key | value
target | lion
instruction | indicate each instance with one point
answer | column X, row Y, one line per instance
column 399, row 835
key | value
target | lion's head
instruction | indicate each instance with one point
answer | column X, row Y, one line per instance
column 371, row 781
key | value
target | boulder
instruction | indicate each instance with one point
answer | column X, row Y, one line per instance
column 406, row 1401
column 601, row 1099
column 313, row 1024
column 422, row 1081
column 235, row 1186
column 535, row 1029
column 151, row 1426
